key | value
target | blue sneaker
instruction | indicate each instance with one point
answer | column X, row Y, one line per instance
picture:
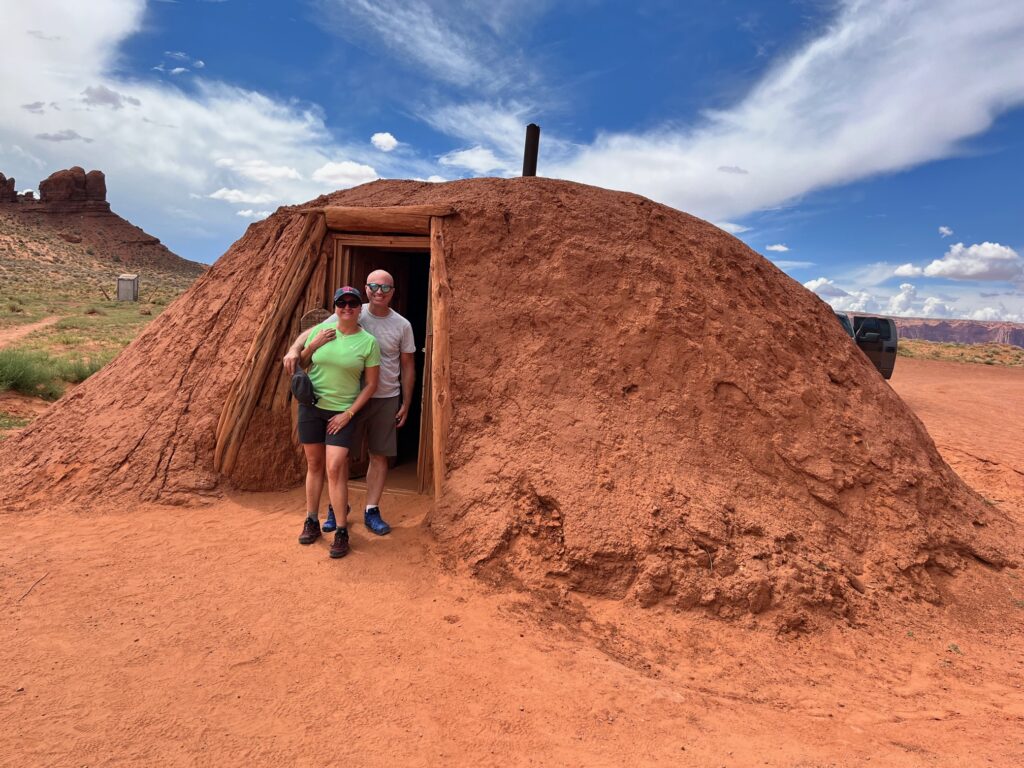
column 330, row 523
column 371, row 518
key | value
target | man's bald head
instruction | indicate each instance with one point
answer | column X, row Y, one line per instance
column 380, row 288
column 380, row 276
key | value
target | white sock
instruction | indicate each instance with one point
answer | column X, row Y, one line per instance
column 313, row 516
column 370, row 506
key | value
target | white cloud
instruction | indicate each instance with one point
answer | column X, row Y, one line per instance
column 66, row 135
column 178, row 70
column 983, row 261
column 162, row 154
column 903, row 302
column 101, row 96
column 240, row 196
column 385, row 142
column 844, row 301
column 786, row 264
column 856, row 301
column 869, row 95
column 477, row 159
column 731, row 228
column 249, row 213
column 344, row 174
column 459, row 45
column 935, row 307
column 36, row 107
column 945, row 231
column 908, row 270
column 992, row 314
column 259, row 170
column 779, row 247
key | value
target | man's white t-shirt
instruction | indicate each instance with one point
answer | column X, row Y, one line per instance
column 394, row 335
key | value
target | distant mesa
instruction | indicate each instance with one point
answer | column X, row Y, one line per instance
column 72, row 205
column 961, row 331
column 68, row 191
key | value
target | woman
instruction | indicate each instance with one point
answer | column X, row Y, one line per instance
column 340, row 356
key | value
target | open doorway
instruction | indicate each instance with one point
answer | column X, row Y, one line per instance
column 411, row 270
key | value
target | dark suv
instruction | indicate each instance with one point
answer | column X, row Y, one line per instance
column 876, row 336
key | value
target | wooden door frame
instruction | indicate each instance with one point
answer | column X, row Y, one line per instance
column 435, row 408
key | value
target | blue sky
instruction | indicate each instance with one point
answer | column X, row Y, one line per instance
column 873, row 149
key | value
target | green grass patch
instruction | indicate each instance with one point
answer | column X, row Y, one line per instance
column 34, row 372
column 31, row 373
column 10, row 421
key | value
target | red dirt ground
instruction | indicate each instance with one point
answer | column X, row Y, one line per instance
column 142, row 637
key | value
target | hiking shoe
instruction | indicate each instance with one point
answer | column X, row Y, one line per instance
column 372, row 519
column 310, row 531
column 330, row 523
column 340, row 546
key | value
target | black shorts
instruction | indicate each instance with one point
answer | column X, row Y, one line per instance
column 313, row 428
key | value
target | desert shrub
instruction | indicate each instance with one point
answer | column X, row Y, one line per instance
column 68, row 339
column 33, row 372
column 78, row 370
column 29, row 372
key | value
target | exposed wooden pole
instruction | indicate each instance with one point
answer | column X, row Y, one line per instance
column 404, row 219
column 440, row 357
column 261, row 357
column 532, row 150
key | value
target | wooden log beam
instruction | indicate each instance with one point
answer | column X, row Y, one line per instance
column 248, row 385
column 440, row 358
column 401, row 219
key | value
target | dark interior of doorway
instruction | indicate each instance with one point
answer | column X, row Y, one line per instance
column 411, row 271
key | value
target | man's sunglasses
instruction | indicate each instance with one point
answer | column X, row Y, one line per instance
column 350, row 303
column 385, row 289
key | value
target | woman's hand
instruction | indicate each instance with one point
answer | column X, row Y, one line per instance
column 339, row 421
column 325, row 335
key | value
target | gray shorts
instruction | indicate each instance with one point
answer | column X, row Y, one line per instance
column 377, row 422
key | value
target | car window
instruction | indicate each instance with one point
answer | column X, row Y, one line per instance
column 872, row 325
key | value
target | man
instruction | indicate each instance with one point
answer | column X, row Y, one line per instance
column 388, row 409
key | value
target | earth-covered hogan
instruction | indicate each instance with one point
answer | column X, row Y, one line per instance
column 621, row 400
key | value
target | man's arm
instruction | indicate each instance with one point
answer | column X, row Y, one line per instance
column 294, row 351
column 408, row 363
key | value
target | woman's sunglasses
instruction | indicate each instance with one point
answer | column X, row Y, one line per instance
column 350, row 303
column 385, row 289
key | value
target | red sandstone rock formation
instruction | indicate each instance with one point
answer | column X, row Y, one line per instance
column 63, row 186
column 642, row 407
column 961, row 331
column 7, row 192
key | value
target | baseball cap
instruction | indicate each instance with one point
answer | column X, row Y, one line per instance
column 347, row 290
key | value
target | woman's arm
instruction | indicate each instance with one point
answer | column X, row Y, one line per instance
column 341, row 420
column 325, row 335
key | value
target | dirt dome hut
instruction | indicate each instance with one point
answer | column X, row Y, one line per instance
column 618, row 398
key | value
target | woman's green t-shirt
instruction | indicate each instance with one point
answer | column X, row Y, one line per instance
column 338, row 367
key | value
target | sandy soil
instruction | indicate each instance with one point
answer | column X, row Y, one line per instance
column 146, row 636
column 10, row 335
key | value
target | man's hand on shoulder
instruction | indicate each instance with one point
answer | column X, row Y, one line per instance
column 290, row 362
